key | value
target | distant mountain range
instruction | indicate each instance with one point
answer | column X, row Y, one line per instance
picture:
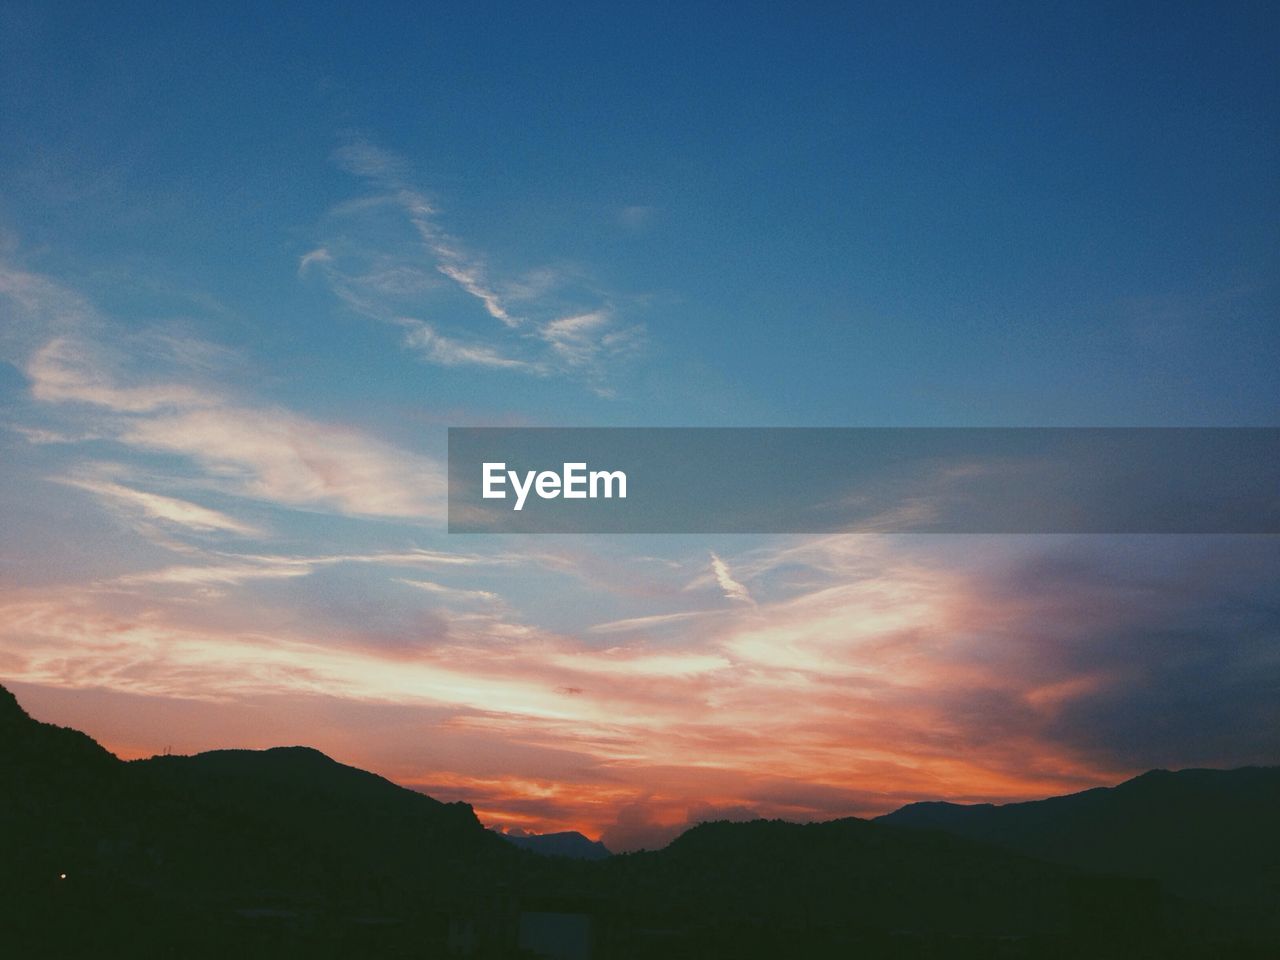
column 568, row 843
column 285, row 852
column 1206, row 834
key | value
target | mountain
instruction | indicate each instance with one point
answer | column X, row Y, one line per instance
column 221, row 852
column 849, row 877
column 1205, row 834
column 52, row 775
column 568, row 843
column 300, row 792
column 43, row 749
column 286, row 852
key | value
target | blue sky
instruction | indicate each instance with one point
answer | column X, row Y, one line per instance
column 254, row 261
column 1008, row 215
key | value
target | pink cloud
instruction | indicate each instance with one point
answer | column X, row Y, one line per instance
column 892, row 675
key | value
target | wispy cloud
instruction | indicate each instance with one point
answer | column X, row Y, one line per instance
column 69, row 370
column 459, row 594
column 221, row 567
column 590, row 341
column 155, row 506
column 41, row 437
column 38, row 309
column 470, row 278
column 318, row 255
column 251, row 450
column 892, row 674
column 454, row 353
column 544, row 328
column 227, row 572
column 389, row 172
column 630, row 624
column 281, row 457
column 845, row 674
column 724, row 576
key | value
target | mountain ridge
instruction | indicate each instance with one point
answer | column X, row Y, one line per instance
column 1204, row 833
column 563, row 843
column 242, row 850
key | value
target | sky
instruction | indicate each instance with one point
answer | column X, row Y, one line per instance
column 254, row 261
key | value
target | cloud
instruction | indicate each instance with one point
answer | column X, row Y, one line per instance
column 453, row 353
column 644, row 623
column 379, row 266
column 857, row 672
column 41, row 437
column 458, row 594
column 39, row 308
column 223, row 568
column 733, row 590
column 587, row 340
column 68, row 370
column 470, row 279
column 390, row 171
column 318, row 255
column 154, row 506
column 265, row 453
column 283, row 458
column 224, row 573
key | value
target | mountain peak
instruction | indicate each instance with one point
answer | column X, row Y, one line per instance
column 10, row 710
column 566, row 843
column 33, row 744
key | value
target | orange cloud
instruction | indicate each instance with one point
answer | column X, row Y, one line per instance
column 848, row 699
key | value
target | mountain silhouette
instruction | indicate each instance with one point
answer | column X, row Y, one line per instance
column 196, row 856
column 286, row 852
column 568, row 843
column 1205, row 834
column 848, row 872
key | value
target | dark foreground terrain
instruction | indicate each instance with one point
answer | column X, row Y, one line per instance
column 286, row 853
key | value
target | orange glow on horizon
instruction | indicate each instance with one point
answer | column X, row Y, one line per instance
column 897, row 682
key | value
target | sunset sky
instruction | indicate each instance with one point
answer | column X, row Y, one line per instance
column 255, row 261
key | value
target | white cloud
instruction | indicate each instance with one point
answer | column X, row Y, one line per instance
column 645, row 623
column 576, row 339
column 66, row 370
column 157, row 507
column 318, row 255
column 215, row 574
column 469, row 278
column 453, row 353
column 278, row 456
column 733, row 590
column 266, row 453
column 485, row 597
column 38, row 308
column 226, row 569
column 379, row 277
column 41, row 437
